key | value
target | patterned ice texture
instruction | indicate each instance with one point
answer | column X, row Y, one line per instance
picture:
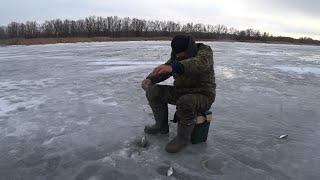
column 75, row 111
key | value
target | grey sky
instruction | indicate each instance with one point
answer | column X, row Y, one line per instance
column 294, row 18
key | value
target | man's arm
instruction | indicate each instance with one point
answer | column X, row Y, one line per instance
column 162, row 77
column 199, row 64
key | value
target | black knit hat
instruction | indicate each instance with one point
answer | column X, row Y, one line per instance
column 179, row 43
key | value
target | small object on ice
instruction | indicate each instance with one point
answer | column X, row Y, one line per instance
column 143, row 143
column 170, row 171
column 283, row 136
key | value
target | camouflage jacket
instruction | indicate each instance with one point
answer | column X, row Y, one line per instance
column 198, row 75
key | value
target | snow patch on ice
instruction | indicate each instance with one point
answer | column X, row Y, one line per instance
column 122, row 69
column 252, row 52
column 107, row 101
column 13, row 151
column 299, row 70
column 82, row 123
column 311, row 58
column 109, row 160
column 7, row 105
column 258, row 89
column 112, row 103
column 226, row 72
column 124, row 63
column 23, row 129
column 50, row 141
column 31, row 84
column 56, row 130
column 20, row 95
column 256, row 64
column 70, row 92
column 122, row 66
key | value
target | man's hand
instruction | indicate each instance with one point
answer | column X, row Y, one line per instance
column 145, row 84
column 162, row 69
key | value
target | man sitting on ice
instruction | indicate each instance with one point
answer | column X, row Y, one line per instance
column 194, row 89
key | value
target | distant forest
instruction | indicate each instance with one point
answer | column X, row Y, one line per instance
column 116, row 27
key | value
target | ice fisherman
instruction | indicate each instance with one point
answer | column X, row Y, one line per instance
column 193, row 90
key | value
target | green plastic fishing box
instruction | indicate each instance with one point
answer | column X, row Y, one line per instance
column 201, row 129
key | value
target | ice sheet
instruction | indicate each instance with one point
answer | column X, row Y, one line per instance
column 75, row 111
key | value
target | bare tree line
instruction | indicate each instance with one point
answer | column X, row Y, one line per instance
column 114, row 26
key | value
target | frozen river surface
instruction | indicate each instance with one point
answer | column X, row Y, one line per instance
column 74, row 111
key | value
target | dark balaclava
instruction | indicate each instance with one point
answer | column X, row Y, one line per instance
column 183, row 43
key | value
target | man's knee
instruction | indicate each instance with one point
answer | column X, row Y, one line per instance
column 153, row 93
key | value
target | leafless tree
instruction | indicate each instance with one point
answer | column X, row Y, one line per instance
column 114, row 26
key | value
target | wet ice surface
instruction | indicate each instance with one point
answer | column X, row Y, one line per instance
column 75, row 111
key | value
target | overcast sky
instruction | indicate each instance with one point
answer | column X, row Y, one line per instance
column 295, row 18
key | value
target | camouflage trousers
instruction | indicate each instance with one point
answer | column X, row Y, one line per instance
column 188, row 106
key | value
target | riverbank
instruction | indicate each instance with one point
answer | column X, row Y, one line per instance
column 39, row 41
column 36, row 41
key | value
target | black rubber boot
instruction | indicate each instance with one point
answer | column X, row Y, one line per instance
column 181, row 140
column 160, row 113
